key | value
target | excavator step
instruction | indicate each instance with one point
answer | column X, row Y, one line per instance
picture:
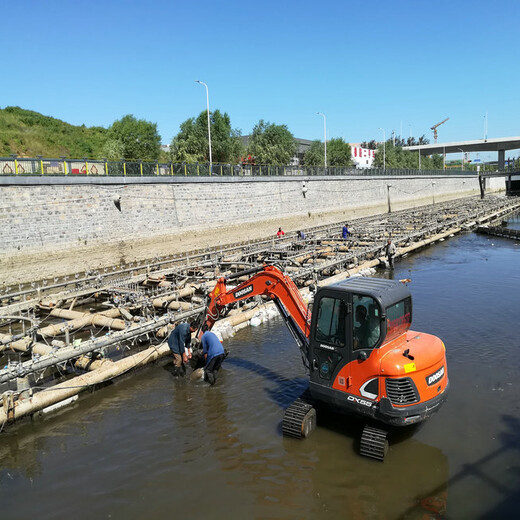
column 299, row 419
column 373, row 443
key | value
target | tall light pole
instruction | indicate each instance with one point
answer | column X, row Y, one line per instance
column 209, row 126
column 384, row 148
column 462, row 157
column 324, row 134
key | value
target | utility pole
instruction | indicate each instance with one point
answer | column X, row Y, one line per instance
column 384, row 148
column 324, row 135
column 209, row 126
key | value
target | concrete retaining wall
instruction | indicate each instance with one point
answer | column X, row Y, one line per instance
column 55, row 218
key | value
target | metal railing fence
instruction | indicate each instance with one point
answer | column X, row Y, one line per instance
column 73, row 167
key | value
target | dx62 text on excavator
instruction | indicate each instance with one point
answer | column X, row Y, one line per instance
column 358, row 348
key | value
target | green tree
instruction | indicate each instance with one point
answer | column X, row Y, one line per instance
column 314, row 156
column 191, row 143
column 134, row 138
column 271, row 144
column 396, row 157
column 338, row 153
column 371, row 145
column 113, row 149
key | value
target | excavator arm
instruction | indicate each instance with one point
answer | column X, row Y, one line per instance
column 267, row 280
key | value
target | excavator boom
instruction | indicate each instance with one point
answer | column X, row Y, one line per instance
column 267, row 280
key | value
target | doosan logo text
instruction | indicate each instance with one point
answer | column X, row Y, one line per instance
column 244, row 291
column 431, row 380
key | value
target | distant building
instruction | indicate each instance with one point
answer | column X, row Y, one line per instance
column 165, row 147
column 362, row 157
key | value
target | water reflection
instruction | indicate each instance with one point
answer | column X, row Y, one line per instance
column 285, row 390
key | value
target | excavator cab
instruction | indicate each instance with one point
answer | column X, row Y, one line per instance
column 351, row 319
column 364, row 359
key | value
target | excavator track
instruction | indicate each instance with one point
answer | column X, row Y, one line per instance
column 299, row 420
column 373, row 443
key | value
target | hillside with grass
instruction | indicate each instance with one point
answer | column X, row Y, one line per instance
column 29, row 134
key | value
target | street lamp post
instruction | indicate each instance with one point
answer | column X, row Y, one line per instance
column 384, row 148
column 324, row 135
column 209, row 126
column 462, row 157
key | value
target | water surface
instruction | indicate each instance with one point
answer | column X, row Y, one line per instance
column 154, row 447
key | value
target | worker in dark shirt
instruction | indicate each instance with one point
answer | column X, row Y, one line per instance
column 179, row 342
column 214, row 354
column 390, row 251
column 345, row 232
column 361, row 331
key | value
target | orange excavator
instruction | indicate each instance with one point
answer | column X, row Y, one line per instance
column 358, row 348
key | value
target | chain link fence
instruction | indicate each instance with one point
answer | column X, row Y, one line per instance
column 43, row 166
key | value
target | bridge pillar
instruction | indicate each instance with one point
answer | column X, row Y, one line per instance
column 501, row 160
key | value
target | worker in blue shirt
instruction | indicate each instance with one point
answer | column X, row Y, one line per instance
column 214, row 354
column 345, row 232
column 179, row 342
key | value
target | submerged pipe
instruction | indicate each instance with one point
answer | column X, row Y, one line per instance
column 12, row 410
column 71, row 352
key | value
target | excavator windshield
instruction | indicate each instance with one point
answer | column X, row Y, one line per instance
column 367, row 322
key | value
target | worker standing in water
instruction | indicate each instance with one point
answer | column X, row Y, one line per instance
column 179, row 342
column 214, row 354
column 390, row 251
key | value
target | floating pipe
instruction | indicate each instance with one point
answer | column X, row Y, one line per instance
column 164, row 301
column 80, row 320
column 23, row 345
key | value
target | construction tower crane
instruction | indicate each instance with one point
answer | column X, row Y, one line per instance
column 434, row 128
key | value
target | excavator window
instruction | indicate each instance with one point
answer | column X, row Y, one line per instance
column 330, row 326
column 367, row 322
column 398, row 318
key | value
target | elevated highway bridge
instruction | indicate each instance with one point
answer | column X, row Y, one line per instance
column 499, row 144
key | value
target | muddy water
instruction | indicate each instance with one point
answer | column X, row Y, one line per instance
column 154, row 447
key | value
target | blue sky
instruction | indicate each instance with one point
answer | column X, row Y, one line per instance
column 366, row 65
